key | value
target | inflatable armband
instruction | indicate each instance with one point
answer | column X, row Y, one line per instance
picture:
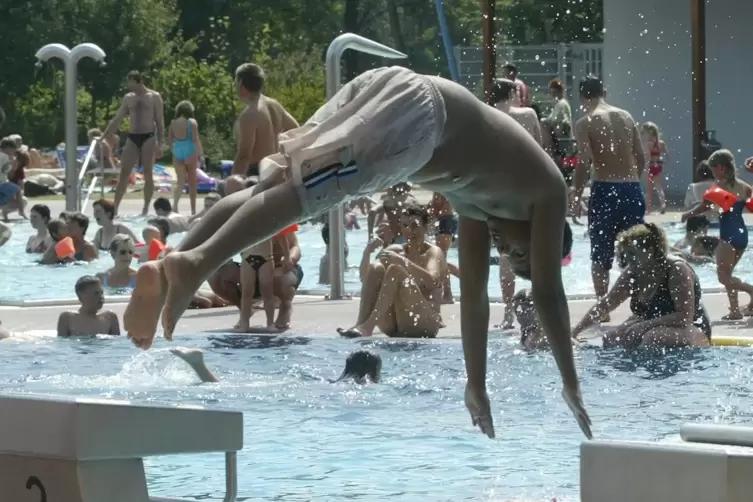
column 720, row 197
column 65, row 248
column 567, row 260
column 292, row 228
column 155, row 249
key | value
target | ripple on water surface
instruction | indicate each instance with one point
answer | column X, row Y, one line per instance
column 407, row 439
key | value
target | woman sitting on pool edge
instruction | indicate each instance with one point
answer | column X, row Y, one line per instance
column 664, row 293
column 121, row 275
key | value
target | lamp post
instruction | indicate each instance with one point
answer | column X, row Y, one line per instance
column 334, row 81
column 70, row 58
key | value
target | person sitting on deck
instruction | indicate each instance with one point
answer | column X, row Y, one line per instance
column 664, row 294
column 90, row 319
column 402, row 292
column 394, row 199
column 121, row 275
column 104, row 215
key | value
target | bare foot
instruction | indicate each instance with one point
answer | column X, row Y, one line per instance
column 241, row 326
column 192, row 356
column 145, row 211
column 182, row 281
column 354, row 332
column 734, row 315
column 148, row 297
column 284, row 315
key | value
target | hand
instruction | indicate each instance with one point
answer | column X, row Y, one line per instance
column 684, row 217
column 477, row 402
column 374, row 244
column 390, row 258
column 571, row 393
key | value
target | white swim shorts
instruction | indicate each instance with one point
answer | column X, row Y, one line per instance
column 379, row 129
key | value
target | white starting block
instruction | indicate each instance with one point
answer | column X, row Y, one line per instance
column 57, row 449
column 713, row 464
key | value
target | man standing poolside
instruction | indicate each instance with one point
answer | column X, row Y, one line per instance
column 610, row 142
column 259, row 123
column 146, row 111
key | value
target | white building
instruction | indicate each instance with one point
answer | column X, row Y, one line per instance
column 647, row 70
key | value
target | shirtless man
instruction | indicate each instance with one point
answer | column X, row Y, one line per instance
column 609, row 143
column 89, row 320
column 447, row 226
column 507, row 100
column 146, row 139
column 259, row 123
column 386, row 126
column 402, row 291
column 178, row 222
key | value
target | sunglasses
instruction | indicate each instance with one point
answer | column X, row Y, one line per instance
column 124, row 252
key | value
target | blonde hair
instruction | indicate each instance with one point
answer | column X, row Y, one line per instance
column 184, row 109
column 726, row 159
column 118, row 241
column 652, row 129
column 644, row 235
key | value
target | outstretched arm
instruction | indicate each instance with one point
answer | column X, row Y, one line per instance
column 606, row 304
column 115, row 122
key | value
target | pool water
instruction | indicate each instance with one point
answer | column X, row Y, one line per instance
column 24, row 279
column 406, row 439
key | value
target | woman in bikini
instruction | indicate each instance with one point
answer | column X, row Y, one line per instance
column 183, row 135
column 733, row 234
column 104, row 213
column 657, row 156
column 121, row 275
column 39, row 217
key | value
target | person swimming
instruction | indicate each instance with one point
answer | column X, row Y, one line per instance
column 361, row 366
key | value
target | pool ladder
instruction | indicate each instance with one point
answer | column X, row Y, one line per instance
column 231, row 481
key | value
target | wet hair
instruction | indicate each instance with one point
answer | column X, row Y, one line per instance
column 250, row 76
column 84, row 283
column 709, row 243
column 703, row 171
column 652, row 129
column 118, row 241
column 643, row 234
column 162, row 224
column 725, row 159
column 361, row 365
column 135, row 76
column 43, row 210
column 53, row 227
column 502, row 90
column 81, row 220
column 511, row 67
column 162, row 204
column 184, row 109
column 107, row 207
column 591, row 87
column 417, row 211
column 696, row 224
column 94, row 133
column 7, row 144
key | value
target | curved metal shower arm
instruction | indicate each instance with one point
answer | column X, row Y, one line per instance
column 51, row 51
column 352, row 41
column 87, row 50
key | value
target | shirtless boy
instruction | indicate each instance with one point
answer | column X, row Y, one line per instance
column 259, row 123
column 609, row 142
column 146, row 139
column 89, row 320
column 507, row 100
column 386, row 126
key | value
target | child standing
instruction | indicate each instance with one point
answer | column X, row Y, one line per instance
column 657, row 156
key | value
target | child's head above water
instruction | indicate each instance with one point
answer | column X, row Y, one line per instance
column 525, row 311
column 697, row 225
column 90, row 292
column 159, row 228
column 58, row 229
column 361, row 366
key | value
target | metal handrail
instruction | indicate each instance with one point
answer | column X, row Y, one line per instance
column 82, row 176
column 231, row 481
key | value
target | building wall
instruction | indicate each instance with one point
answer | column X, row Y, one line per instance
column 647, row 70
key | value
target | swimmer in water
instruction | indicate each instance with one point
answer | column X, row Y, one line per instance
column 362, row 366
column 384, row 127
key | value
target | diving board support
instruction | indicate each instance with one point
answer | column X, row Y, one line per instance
column 334, row 81
column 92, row 450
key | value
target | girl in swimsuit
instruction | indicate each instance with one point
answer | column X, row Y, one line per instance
column 664, row 294
column 39, row 217
column 733, row 234
column 657, row 156
column 121, row 275
column 183, row 135
column 104, row 213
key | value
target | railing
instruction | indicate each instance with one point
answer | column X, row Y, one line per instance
column 82, row 176
column 231, row 481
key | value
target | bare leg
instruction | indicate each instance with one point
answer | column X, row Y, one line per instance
column 127, row 163
column 195, row 359
column 507, row 285
column 443, row 242
column 148, row 150
column 726, row 260
column 659, row 187
column 248, row 291
column 267, row 290
column 649, row 194
column 388, row 294
column 416, row 316
column 285, row 290
column 674, row 337
column 369, row 295
column 191, row 178
column 180, row 183
column 600, row 277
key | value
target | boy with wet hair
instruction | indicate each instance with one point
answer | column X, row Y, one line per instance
column 90, row 319
column 387, row 126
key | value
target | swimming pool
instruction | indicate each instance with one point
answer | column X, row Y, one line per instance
column 23, row 279
column 407, row 439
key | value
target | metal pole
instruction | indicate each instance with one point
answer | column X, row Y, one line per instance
column 334, row 79
column 698, row 68
column 489, row 48
column 70, row 60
